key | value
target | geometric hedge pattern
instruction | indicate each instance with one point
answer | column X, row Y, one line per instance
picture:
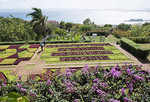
column 55, row 53
column 14, row 54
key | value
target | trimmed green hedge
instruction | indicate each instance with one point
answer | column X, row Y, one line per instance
column 140, row 39
column 36, row 42
column 134, row 48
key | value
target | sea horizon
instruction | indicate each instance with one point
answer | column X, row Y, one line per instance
column 98, row 16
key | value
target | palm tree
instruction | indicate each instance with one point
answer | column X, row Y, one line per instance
column 38, row 21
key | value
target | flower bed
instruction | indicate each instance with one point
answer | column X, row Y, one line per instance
column 96, row 84
column 86, row 58
column 79, row 49
column 82, row 52
column 16, row 53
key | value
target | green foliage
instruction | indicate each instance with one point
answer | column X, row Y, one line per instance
column 8, row 61
column 135, row 31
column 39, row 22
column 32, row 50
column 5, row 55
column 22, row 53
column 24, row 46
column 88, row 84
column 87, row 21
column 13, row 97
column 107, row 25
column 11, row 51
column 123, row 26
column 4, row 46
column 68, row 26
column 15, row 29
column 60, row 32
column 140, row 39
column 27, row 55
column 62, row 25
column 120, row 33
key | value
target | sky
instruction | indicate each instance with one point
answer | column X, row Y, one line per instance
column 76, row 4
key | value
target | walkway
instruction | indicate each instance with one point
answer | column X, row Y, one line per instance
column 145, row 64
column 38, row 65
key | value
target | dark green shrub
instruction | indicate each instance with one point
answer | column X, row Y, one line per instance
column 140, row 39
column 134, row 48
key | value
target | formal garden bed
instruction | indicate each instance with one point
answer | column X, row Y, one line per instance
column 60, row 53
column 89, row 84
column 14, row 54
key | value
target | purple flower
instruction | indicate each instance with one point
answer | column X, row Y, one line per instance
column 32, row 94
column 48, row 82
column 23, row 90
column 40, row 82
column 129, row 71
column 19, row 85
column 111, row 100
column 76, row 100
column 115, row 73
column 96, row 66
column 138, row 77
column 86, row 66
column 122, row 91
column 0, row 86
column 100, row 92
column 112, row 71
column 148, row 71
column 95, row 87
column 125, row 63
column 4, row 84
column 126, row 99
column 84, row 71
column 67, row 74
column 50, row 90
column 140, row 65
column 131, row 89
column 104, row 85
column 96, row 80
column 20, row 76
column 130, row 65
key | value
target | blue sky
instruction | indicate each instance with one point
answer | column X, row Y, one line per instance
column 81, row 4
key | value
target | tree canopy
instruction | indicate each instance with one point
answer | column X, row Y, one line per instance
column 39, row 21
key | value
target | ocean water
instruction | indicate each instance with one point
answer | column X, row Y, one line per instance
column 98, row 16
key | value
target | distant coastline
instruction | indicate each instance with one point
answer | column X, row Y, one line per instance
column 136, row 20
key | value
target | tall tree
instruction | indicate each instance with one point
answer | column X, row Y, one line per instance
column 87, row 21
column 39, row 21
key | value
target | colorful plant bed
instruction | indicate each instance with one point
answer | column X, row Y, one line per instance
column 90, row 84
column 82, row 52
column 13, row 54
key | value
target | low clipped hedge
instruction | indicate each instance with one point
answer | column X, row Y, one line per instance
column 140, row 39
column 37, row 42
column 134, row 48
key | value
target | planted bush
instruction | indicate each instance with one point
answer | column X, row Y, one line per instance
column 96, row 84
column 134, row 48
column 140, row 39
